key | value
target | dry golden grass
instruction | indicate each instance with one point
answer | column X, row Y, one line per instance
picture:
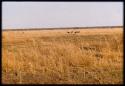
column 56, row 57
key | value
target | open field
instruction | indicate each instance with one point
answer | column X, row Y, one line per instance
column 91, row 56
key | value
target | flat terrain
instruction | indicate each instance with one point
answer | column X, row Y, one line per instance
column 70, row 56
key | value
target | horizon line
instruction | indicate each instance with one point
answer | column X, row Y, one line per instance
column 55, row 28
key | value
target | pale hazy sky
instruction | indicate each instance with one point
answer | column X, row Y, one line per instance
column 61, row 14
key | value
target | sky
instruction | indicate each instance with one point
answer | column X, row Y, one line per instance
column 61, row 14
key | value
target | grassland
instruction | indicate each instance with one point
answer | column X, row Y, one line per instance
column 93, row 56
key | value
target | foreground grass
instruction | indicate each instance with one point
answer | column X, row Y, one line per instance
column 61, row 58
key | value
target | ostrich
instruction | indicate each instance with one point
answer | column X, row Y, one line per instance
column 68, row 32
column 77, row 31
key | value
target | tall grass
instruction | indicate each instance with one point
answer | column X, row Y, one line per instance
column 63, row 59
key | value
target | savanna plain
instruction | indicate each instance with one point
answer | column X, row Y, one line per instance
column 70, row 56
